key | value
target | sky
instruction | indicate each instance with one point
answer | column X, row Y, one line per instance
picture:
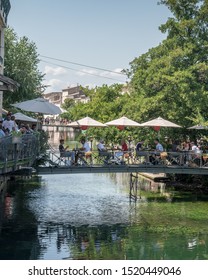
column 87, row 42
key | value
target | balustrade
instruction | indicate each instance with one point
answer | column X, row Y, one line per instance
column 18, row 151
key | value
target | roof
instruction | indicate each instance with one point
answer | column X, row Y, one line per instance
column 8, row 83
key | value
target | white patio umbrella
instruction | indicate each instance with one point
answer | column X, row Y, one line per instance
column 21, row 117
column 123, row 122
column 85, row 123
column 38, row 105
column 159, row 122
column 198, row 126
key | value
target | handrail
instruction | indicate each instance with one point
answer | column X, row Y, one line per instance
column 17, row 151
column 147, row 158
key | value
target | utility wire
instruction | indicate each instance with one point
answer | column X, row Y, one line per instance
column 79, row 64
column 82, row 71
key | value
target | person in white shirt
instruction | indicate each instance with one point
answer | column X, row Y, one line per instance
column 8, row 123
column 103, row 151
column 194, row 147
column 196, row 155
column 83, row 150
column 85, row 145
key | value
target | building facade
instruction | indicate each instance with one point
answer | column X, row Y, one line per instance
column 74, row 93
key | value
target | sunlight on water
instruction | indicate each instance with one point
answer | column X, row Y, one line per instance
column 89, row 200
column 90, row 216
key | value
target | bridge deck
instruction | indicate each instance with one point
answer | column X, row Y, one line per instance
column 141, row 168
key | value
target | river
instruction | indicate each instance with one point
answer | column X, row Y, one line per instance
column 90, row 216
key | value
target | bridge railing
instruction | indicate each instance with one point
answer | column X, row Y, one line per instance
column 18, row 151
column 182, row 158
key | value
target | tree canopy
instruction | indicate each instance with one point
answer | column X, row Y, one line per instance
column 172, row 77
column 21, row 64
column 169, row 80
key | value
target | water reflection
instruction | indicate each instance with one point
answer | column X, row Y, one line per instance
column 90, row 217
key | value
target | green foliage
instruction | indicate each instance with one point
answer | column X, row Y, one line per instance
column 21, row 64
column 172, row 77
column 170, row 80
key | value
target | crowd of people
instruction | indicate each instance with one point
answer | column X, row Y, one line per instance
column 9, row 126
column 85, row 151
column 124, row 150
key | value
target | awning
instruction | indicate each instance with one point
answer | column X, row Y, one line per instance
column 8, row 84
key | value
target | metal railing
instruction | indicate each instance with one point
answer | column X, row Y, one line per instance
column 18, row 151
column 181, row 158
column 130, row 158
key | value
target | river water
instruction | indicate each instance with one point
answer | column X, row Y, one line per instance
column 90, row 216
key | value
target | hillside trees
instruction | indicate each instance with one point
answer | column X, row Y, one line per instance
column 21, row 64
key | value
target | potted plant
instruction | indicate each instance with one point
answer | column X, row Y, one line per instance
column 16, row 137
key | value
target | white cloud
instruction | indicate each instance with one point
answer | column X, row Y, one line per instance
column 54, row 85
column 54, row 71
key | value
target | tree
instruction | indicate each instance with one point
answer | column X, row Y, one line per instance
column 106, row 103
column 172, row 78
column 21, row 64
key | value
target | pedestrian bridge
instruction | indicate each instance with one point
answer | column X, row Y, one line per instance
column 128, row 168
column 18, row 155
column 143, row 162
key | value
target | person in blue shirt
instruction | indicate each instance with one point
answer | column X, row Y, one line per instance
column 2, row 134
column 158, row 147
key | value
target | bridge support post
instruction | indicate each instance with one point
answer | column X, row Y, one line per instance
column 133, row 188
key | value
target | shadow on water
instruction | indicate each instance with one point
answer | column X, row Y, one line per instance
column 90, row 217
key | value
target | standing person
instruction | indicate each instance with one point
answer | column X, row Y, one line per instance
column 8, row 123
column 64, row 152
column 15, row 124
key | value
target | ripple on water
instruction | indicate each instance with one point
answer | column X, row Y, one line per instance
column 90, row 199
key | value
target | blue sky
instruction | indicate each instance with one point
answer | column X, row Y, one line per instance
column 104, row 34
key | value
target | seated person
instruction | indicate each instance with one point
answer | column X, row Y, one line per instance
column 84, row 150
column 139, row 146
column 64, row 152
column 103, row 151
column 124, row 149
column 158, row 149
column 141, row 153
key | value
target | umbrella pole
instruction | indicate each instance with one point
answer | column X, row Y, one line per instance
column 158, row 134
